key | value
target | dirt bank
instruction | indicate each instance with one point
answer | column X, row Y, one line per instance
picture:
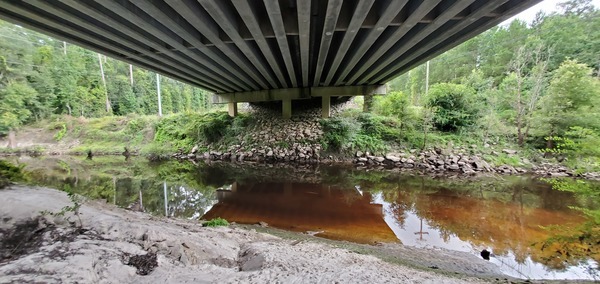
column 119, row 246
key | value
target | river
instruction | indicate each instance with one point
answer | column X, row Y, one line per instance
column 513, row 217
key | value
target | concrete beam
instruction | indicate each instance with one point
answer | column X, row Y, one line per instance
column 473, row 28
column 276, row 18
column 286, row 108
column 360, row 48
column 379, row 60
column 331, row 17
column 299, row 93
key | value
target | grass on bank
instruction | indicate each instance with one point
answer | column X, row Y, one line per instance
column 146, row 135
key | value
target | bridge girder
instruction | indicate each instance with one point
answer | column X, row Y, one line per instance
column 240, row 48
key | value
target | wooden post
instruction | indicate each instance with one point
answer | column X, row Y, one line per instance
column 12, row 140
column 427, row 78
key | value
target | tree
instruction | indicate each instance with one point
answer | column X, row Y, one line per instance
column 523, row 86
column 576, row 7
column 13, row 105
column 453, row 106
column 572, row 98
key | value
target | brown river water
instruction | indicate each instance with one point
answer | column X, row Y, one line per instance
column 513, row 217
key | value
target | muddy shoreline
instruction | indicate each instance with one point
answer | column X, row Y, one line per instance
column 186, row 252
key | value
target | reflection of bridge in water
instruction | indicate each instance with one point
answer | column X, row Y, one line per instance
column 333, row 212
column 270, row 50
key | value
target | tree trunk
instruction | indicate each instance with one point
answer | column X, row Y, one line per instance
column 549, row 144
column 12, row 140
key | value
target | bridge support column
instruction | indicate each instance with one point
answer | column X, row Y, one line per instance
column 325, row 106
column 286, row 108
column 232, row 109
column 367, row 103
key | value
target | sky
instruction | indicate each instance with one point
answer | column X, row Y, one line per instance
column 548, row 6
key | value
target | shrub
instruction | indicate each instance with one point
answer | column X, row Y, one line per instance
column 61, row 133
column 216, row 222
column 10, row 172
column 364, row 142
column 453, row 106
column 212, row 126
column 398, row 105
column 336, row 133
column 379, row 127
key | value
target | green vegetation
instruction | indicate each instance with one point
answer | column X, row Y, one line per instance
column 76, row 202
column 216, row 222
column 530, row 86
column 10, row 173
column 453, row 106
column 41, row 77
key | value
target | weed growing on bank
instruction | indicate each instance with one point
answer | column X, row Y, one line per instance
column 216, row 222
column 76, row 202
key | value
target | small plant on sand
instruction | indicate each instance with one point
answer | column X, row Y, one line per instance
column 76, row 202
column 216, row 222
column 61, row 133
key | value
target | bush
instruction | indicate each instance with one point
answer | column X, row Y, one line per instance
column 364, row 142
column 398, row 105
column 185, row 130
column 61, row 133
column 216, row 222
column 10, row 172
column 384, row 128
column 336, row 133
column 212, row 126
column 453, row 106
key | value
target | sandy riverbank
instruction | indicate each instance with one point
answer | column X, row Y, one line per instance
column 50, row 250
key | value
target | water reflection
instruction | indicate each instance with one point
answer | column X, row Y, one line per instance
column 324, row 210
column 505, row 216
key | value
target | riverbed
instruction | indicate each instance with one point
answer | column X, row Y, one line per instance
column 513, row 217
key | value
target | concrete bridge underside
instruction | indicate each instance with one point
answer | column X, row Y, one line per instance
column 264, row 50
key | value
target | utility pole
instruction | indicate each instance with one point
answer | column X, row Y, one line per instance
column 158, row 92
column 131, row 74
column 104, row 82
column 427, row 79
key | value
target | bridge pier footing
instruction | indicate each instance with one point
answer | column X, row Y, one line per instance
column 325, row 106
column 286, row 108
column 232, row 109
